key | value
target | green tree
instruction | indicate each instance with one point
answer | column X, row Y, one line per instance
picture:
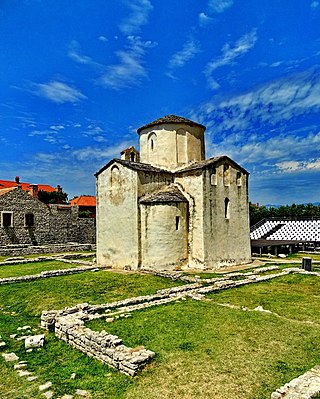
column 54, row 197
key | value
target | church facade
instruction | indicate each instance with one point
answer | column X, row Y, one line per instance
column 168, row 207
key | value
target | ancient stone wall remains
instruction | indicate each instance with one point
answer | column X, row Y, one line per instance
column 25, row 249
column 69, row 323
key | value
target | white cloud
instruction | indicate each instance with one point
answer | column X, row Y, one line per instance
column 130, row 70
column 138, row 16
column 189, row 50
column 76, row 56
column 219, row 6
column 314, row 4
column 57, row 127
column 294, row 166
column 97, row 154
column 204, row 19
column 283, row 153
column 103, row 39
column 58, row 92
column 289, row 166
column 230, row 53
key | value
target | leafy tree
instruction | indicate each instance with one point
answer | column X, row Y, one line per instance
column 258, row 213
column 54, row 197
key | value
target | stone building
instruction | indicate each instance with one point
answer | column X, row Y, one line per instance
column 26, row 220
column 173, row 208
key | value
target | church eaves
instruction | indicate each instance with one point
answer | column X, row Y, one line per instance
column 208, row 162
column 133, row 165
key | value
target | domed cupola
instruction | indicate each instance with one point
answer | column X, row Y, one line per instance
column 172, row 142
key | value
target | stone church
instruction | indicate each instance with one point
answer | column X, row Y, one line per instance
column 168, row 207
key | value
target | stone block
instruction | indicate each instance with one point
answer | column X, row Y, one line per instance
column 10, row 357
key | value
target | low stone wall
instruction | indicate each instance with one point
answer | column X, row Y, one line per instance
column 103, row 346
column 46, row 274
column 69, row 323
column 19, row 250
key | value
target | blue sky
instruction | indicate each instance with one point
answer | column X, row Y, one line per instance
column 78, row 78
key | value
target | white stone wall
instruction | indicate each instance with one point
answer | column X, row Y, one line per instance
column 226, row 236
column 117, row 218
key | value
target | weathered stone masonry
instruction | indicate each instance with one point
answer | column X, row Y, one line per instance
column 26, row 220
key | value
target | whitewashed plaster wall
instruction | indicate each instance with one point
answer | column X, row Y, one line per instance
column 117, row 217
column 164, row 235
column 192, row 186
column 226, row 231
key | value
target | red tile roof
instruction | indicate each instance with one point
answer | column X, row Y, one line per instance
column 84, row 200
column 25, row 186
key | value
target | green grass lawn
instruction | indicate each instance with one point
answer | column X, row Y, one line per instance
column 301, row 255
column 203, row 350
column 21, row 304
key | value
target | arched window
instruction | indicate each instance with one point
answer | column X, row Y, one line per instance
column 152, row 140
column 226, row 208
column 115, row 172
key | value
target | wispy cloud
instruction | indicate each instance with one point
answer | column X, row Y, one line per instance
column 314, row 4
column 265, row 107
column 295, row 166
column 76, row 56
column 189, row 50
column 96, row 133
column 219, row 6
column 229, row 54
column 130, row 70
column 138, row 16
column 204, row 19
column 58, row 92
column 57, row 128
column 95, row 154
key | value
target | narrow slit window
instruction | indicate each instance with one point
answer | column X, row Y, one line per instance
column 29, row 219
column 227, row 208
column 177, row 222
column 239, row 179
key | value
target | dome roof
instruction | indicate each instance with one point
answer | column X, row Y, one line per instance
column 170, row 119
